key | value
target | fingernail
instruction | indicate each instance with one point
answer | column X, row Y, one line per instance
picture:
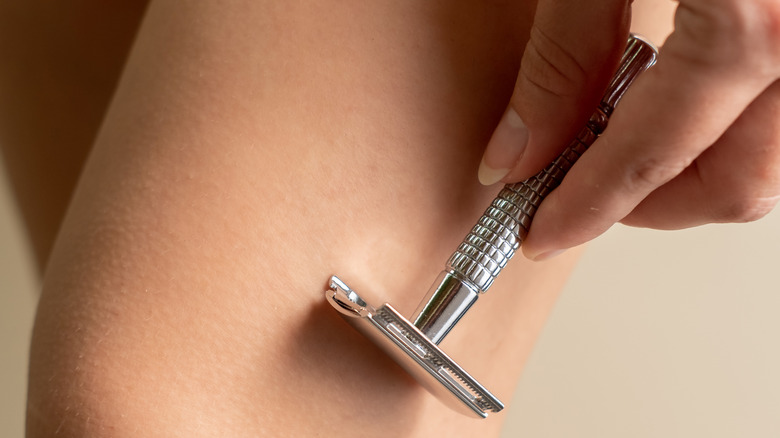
column 504, row 149
column 548, row 255
column 489, row 176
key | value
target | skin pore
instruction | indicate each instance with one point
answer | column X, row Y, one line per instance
column 251, row 151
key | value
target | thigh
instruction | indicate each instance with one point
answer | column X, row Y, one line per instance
column 253, row 149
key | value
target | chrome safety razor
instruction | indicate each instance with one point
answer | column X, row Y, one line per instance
column 471, row 270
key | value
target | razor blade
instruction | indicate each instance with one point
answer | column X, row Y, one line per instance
column 476, row 263
column 411, row 349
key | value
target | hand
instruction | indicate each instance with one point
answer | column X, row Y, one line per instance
column 696, row 140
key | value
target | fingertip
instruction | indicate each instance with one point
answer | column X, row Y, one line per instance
column 488, row 175
column 505, row 148
column 546, row 255
column 546, row 238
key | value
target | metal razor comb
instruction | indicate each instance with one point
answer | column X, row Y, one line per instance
column 471, row 270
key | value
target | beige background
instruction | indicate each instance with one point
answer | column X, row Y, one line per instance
column 658, row 334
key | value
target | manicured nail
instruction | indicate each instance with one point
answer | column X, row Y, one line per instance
column 548, row 255
column 489, row 176
column 505, row 148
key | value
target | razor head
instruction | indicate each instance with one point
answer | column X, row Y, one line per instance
column 411, row 349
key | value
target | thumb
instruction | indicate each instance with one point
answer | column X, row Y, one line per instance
column 574, row 48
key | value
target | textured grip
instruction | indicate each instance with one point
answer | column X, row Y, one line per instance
column 501, row 230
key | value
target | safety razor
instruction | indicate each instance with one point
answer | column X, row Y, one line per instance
column 472, row 268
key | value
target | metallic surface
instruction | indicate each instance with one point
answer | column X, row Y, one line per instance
column 476, row 263
column 420, row 357
column 447, row 300
column 500, row 231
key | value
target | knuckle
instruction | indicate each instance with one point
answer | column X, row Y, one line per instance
column 767, row 13
column 758, row 29
column 650, row 173
column 747, row 209
column 749, row 199
column 551, row 67
column 736, row 32
column 771, row 14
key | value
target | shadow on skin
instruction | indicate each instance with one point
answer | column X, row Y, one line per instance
column 368, row 389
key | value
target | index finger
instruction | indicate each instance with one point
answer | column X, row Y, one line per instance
column 717, row 61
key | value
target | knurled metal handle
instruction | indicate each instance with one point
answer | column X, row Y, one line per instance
column 498, row 234
column 501, row 230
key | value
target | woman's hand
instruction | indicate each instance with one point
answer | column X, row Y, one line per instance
column 696, row 140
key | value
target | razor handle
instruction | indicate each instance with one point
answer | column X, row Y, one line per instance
column 487, row 248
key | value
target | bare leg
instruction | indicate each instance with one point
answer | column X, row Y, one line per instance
column 252, row 150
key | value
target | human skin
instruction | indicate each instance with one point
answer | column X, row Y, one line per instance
column 61, row 63
column 696, row 141
column 252, row 150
